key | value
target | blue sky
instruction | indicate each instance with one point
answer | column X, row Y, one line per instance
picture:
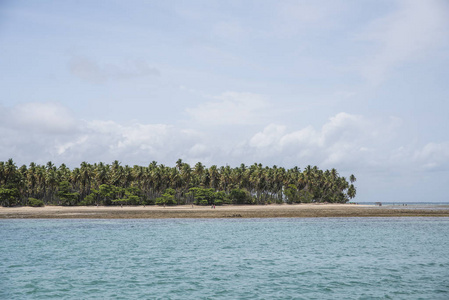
column 361, row 86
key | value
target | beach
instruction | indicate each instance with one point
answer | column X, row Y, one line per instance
column 227, row 211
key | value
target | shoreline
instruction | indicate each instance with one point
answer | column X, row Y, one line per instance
column 226, row 211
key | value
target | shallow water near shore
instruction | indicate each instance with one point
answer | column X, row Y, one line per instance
column 323, row 258
column 412, row 205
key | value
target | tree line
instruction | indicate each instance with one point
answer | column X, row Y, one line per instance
column 112, row 184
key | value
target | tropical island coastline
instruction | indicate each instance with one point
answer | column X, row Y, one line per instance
column 156, row 184
column 113, row 191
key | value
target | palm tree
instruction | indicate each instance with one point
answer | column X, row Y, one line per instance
column 198, row 172
column 52, row 182
column 214, row 176
column 263, row 183
column 352, row 191
column 352, row 178
column 9, row 170
column 101, row 174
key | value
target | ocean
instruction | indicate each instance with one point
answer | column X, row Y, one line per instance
column 324, row 258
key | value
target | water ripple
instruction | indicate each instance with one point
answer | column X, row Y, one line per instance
column 370, row 258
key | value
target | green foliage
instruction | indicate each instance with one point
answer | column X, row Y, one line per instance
column 133, row 200
column 240, row 196
column 9, row 197
column 294, row 196
column 91, row 184
column 201, row 196
column 107, row 193
column 339, row 198
column 149, row 202
column 220, row 197
column 170, row 191
column 279, row 201
column 167, row 198
column 291, row 192
column 171, row 201
column 35, row 202
column 160, row 201
column 129, row 196
column 204, row 196
column 88, row 200
column 305, row 196
column 352, row 191
column 227, row 200
column 65, row 195
column 203, row 202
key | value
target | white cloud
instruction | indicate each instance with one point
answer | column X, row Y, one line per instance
column 94, row 72
column 47, row 131
column 409, row 33
column 231, row 108
column 345, row 141
column 39, row 117
column 433, row 156
column 306, row 137
column 134, row 143
column 268, row 137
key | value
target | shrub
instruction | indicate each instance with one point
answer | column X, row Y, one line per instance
column 132, row 200
column 218, row 202
column 88, row 200
column 203, row 202
column 35, row 202
column 227, row 200
column 148, row 202
column 9, row 197
column 305, row 196
column 166, row 199
column 240, row 196
column 171, row 201
column 160, row 201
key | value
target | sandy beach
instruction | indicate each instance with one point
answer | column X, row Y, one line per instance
column 228, row 211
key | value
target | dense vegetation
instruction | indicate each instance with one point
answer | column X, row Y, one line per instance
column 104, row 184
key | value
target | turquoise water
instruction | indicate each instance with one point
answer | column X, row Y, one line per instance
column 326, row 258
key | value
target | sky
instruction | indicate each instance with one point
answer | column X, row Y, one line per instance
column 360, row 86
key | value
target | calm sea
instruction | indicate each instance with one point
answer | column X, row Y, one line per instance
column 326, row 258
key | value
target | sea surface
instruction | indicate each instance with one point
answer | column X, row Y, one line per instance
column 411, row 204
column 324, row 258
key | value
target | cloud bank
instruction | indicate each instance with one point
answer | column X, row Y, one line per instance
column 42, row 132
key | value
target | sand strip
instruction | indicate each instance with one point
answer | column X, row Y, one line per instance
column 228, row 211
